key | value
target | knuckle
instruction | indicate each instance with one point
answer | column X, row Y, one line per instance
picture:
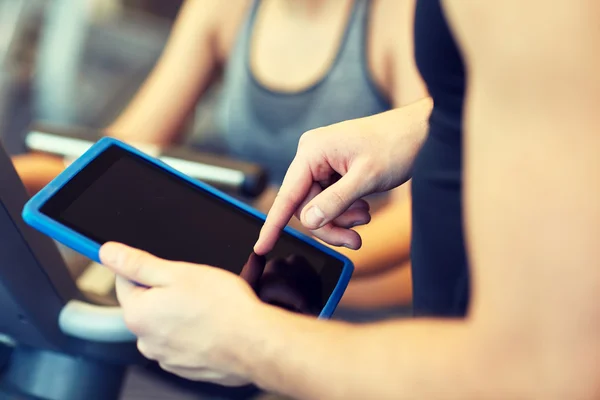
column 377, row 172
column 376, row 168
column 337, row 199
column 306, row 137
column 322, row 171
column 372, row 171
column 369, row 166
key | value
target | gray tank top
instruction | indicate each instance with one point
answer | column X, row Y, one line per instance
column 260, row 125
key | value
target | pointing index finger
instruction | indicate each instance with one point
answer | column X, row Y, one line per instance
column 294, row 189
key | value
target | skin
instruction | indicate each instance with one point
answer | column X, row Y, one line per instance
column 389, row 284
column 533, row 328
column 199, row 46
column 36, row 170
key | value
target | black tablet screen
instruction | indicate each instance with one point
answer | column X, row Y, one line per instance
column 122, row 197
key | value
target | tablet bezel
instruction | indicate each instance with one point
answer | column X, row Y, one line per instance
column 33, row 215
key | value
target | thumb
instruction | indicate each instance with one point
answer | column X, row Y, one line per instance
column 136, row 265
column 335, row 199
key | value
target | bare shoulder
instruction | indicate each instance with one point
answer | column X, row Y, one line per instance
column 391, row 53
column 525, row 32
column 395, row 14
column 213, row 21
column 230, row 15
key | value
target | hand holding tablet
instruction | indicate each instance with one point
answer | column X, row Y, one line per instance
column 115, row 193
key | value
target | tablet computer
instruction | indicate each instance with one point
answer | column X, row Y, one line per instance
column 114, row 192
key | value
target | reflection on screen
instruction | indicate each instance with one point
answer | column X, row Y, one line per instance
column 122, row 197
column 290, row 283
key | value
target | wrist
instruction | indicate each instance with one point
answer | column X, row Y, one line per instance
column 280, row 347
column 410, row 125
column 254, row 337
column 248, row 340
column 413, row 119
column 291, row 353
column 266, row 338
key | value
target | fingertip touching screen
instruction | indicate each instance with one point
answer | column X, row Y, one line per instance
column 120, row 196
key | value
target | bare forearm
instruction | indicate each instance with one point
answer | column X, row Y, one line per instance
column 311, row 359
column 154, row 116
column 37, row 170
column 159, row 110
column 408, row 127
column 387, row 289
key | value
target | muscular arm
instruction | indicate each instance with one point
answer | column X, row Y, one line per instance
column 159, row 109
column 185, row 68
column 532, row 197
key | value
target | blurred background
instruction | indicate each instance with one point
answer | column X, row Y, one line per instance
column 77, row 62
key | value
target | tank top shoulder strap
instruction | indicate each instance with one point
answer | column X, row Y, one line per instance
column 353, row 55
column 245, row 34
column 353, row 46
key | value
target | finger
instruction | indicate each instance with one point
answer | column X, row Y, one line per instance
column 337, row 236
column 127, row 290
column 253, row 270
column 330, row 234
column 233, row 381
column 313, row 192
column 330, row 180
column 206, row 375
column 352, row 218
column 360, row 203
column 147, row 350
column 295, row 187
column 137, row 265
column 334, row 200
column 358, row 210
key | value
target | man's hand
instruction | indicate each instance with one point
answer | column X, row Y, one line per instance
column 187, row 317
column 336, row 166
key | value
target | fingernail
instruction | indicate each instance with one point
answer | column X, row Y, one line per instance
column 315, row 217
column 346, row 245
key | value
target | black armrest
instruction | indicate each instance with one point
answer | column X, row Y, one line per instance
column 236, row 177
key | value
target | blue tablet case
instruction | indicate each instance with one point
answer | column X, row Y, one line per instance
column 91, row 249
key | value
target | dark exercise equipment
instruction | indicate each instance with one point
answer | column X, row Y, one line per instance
column 57, row 343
